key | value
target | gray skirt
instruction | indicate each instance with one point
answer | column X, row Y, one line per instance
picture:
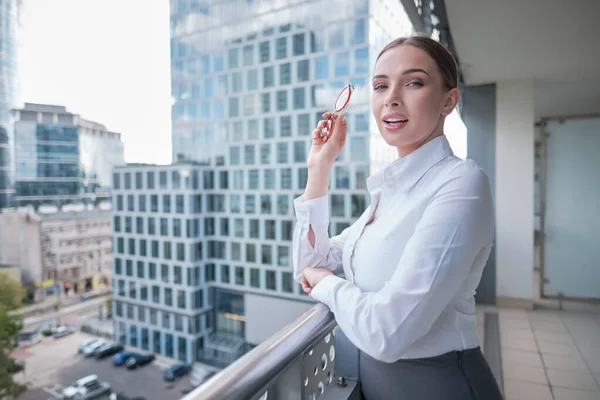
column 458, row 375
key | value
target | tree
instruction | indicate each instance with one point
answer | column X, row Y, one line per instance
column 11, row 292
column 9, row 328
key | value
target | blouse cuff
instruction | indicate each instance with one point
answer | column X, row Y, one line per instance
column 313, row 212
column 323, row 291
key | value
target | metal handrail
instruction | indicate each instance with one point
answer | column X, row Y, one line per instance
column 257, row 369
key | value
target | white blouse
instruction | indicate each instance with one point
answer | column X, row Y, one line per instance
column 404, row 284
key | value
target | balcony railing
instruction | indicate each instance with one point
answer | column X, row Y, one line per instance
column 298, row 362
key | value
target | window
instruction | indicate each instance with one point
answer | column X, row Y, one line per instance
column 138, row 180
column 209, row 181
column 265, row 204
column 358, row 205
column 362, row 173
column 131, row 247
column 236, row 82
column 281, row 48
column 283, row 256
column 265, row 101
column 337, row 205
column 233, row 58
column 225, row 273
column 116, row 181
column 282, row 204
column 249, row 153
column 285, row 126
column 271, row 281
column 248, row 55
column 287, row 229
column 234, row 107
column 303, row 125
column 254, row 229
column 253, row 180
column 270, row 230
column 282, row 153
column 266, row 254
column 287, row 282
column 269, row 179
column 358, row 148
column 268, row 77
column 265, row 153
column 155, row 248
column 285, row 74
column 139, row 222
column 118, row 266
column 250, row 204
column 209, row 226
column 168, row 296
column 264, row 51
column 269, row 128
column 362, row 122
column 238, row 225
column 282, row 100
column 361, row 60
column 128, row 180
column 164, row 227
column 140, row 269
column 302, row 177
column 179, row 204
column 117, row 223
column 234, row 203
column 166, row 203
column 236, row 251
column 342, row 178
column 254, row 278
column 142, row 203
column 143, row 248
column 127, row 224
column 167, row 250
column 209, row 273
column 359, row 29
column 239, row 276
column 154, row 203
column 252, row 129
column 223, row 179
column 176, row 180
column 130, row 203
column 249, row 105
column 250, row 252
column 238, row 179
column 336, row 36
column 322, row 67
column 299, row 98
column 150, row 180
column 298, row 44
column 234, row 155
column 300, row 151
column 286, row 178
column 119, row 202
column 177, row 275
column 162, row 179
column 302, row 70
column 252, row 79
column 151, row 226
column 342, row 64
column 177, row 227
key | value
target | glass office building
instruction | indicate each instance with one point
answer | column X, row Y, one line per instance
column 61, row 158
column 250, row 80
column 9, row 26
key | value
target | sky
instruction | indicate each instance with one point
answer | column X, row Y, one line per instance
column 109, row 62
column 106, row 60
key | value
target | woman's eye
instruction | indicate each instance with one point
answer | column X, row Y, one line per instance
column 415, row 83
column 379, row 87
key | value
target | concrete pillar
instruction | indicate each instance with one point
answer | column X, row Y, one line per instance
column 515, row 136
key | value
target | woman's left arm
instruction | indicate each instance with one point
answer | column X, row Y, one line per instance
column 456, row 228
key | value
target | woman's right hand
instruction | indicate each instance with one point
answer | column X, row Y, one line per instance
column 323, row 153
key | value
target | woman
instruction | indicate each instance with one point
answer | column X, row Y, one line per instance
column 401, row 280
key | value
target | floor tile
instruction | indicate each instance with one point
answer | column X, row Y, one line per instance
column 549, row 327
column 564, row 338
column 572, row 379
column 557, row 348
column 592, row 362
column 518, row 344
column 520, row 357
column 526, row 391
column 564, row 362
column 561, row 393
column 525, row 373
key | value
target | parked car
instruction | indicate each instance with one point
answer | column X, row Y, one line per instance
column 108, row 350
column 49, row 329
column 176, row 371
column 138, row 360
column 121, row 358
column 121, row 396
column 85, row 343
column 88, row 387
column 62, row 331
column 89, row 350
column 199, row 379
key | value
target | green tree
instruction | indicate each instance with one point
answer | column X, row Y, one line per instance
column 9, row 328
column 11, row 292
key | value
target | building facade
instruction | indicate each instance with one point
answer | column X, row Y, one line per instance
column 250, row 80
column 9, row 27
column 65, row 252
column 62, row 158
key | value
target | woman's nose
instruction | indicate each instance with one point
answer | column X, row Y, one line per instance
column 393, row 99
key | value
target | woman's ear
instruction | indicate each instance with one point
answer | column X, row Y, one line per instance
column 452, row 99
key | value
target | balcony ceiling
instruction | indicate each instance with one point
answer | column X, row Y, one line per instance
column 548, row 40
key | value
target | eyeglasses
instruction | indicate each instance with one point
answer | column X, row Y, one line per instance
column 340, row 104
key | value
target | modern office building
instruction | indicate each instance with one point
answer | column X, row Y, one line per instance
column 9, row 27
column 250, row 80
column 62, row 158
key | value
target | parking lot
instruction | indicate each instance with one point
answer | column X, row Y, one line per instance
column 54, row 364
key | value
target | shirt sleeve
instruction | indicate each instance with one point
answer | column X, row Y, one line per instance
column 326, row 252
column 456, row 229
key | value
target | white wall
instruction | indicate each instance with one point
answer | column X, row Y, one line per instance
column 265, row 315
column 514, row 189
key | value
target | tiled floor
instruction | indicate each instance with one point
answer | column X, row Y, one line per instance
column 550, row 355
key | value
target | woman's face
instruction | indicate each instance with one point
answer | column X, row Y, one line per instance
column 410, row 100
